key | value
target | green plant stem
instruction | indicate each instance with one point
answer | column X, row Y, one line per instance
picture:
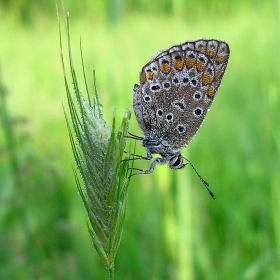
column 111, row 273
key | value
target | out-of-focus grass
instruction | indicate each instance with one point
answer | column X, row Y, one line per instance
column 172, row 226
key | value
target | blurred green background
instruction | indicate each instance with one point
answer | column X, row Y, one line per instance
column 173, row 229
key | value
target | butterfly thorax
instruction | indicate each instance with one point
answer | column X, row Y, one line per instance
column 156, row 145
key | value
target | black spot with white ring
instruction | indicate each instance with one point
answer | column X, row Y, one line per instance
column 185, row 80
column 181, row 128
column 155, row 87
column 159, row 112
column 210, row 71
column 147, row 98
column 197, row 95
column 175, row 81
column 190, row 54
column 169, row 117
column 193, row 82
column 201, row 59
column 198, row 111
column 166, row 85
column 178, row 57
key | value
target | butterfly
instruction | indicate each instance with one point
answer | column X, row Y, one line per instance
column 177, row 88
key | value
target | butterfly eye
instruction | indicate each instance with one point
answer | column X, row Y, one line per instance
column 176, row 162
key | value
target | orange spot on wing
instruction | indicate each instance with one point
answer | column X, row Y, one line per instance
column 190, row 62
column 210, row 92
column 165, row 68
column 200, row 66
column 220, row 59
column 207, row 79
column 178, row 64
column 143, row 78
column 210, row 52
column 149, row 75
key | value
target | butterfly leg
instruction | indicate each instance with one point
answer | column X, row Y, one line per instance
column 159, row 161
column 133, row 136
column 135, row 157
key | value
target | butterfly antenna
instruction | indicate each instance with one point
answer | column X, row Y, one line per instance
column 206, row 185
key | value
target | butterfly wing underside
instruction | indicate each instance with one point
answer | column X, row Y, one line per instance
column 177, row 88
